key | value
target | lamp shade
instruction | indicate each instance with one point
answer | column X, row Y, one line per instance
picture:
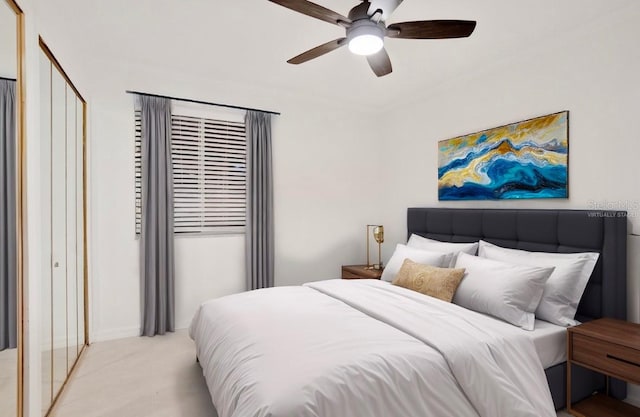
column 377, row 230
column 378, row 234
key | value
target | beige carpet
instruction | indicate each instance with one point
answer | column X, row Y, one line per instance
column 139, row 377
column 8, row 381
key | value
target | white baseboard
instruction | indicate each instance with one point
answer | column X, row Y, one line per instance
column 123, row 333
column 113, row 334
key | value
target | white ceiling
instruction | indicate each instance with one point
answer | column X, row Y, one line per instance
column 249, row 41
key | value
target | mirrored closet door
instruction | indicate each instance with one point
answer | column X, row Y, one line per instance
column 11, row 158
column 64, row 281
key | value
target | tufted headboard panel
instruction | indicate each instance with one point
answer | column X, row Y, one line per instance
column 562, row 231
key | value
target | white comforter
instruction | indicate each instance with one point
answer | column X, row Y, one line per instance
column 363, row 348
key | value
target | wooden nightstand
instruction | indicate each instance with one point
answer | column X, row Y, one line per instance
column 360, row 272
column 611, row 347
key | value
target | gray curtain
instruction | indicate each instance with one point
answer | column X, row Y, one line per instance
column 8, row 232
column 157, row 254
column 259, row 226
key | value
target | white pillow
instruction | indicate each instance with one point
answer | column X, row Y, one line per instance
column 565, row 286
column 419, row 256
column 507, row 291
column 419, row 242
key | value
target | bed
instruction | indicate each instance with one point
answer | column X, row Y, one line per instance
column 549, row 231
column 338, row 348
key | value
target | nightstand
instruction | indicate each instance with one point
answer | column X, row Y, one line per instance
column 360, row 272
column 611, row 347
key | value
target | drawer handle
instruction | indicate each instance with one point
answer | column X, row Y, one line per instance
column 622, row 360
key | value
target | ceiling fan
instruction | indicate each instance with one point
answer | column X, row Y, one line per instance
column 365, row 30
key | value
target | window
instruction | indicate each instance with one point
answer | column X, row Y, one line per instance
column 209, row 171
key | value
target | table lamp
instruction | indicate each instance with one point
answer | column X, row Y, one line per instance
column 378, row 235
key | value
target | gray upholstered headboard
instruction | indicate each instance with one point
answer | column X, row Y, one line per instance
column 545, row 231
column 549, row 231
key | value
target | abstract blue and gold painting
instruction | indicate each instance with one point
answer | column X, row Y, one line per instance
column 528, row 159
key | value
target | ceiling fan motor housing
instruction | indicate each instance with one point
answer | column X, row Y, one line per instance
column 361, row 11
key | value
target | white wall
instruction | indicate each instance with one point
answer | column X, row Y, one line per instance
column 593, row 74
column 326, row 172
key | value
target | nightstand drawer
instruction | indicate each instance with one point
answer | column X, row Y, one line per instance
column 350, row 275
column 360, row 272
column 619, row 361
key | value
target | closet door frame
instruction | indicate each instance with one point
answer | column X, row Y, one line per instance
column 85, row 293
column 21, row 202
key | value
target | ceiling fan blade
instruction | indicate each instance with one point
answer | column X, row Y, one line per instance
column 431, row 29
column 318, row 51
column 314, row 10
column 380, row 63
column 387, row 7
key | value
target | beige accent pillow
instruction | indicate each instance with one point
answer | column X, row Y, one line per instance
column 429, row 280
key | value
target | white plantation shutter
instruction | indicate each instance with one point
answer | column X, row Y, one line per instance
column 138, row 164
column 209, row 174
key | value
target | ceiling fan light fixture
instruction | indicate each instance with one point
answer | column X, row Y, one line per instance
column 366, row 30
column 366, row 44
column 365, row 38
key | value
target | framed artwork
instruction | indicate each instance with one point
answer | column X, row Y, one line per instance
column 527, row 159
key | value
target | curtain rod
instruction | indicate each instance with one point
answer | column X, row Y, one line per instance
column 203, row 102
column 8, row 79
